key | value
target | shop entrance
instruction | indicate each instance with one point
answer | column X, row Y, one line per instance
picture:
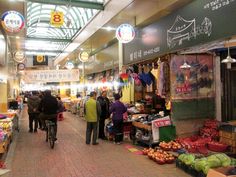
column 228, row 78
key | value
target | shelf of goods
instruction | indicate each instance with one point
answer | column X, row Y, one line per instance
column 144, row 133
column 7, row 125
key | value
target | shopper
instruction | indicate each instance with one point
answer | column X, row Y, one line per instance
column 41, row 95
column 104, row 103
column 33, row 111
column 61, row 107
column 48, row 107
column 92, row 112
column 117, row 110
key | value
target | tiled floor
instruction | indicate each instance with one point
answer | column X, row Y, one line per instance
column 31, row 156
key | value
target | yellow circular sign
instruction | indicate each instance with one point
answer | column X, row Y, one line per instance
column 84, row 56
column 40, row 58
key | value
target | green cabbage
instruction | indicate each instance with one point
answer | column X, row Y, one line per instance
column 181, row 157
column 200, row 164
column 225, row 160
column 206, row 169
column 189, row 159
column 213, row 161
column 233, row 162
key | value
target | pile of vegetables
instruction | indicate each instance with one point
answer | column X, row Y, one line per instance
column 205, row 163
column 170, row 146
column 198, row 144
column 159, row 156
column 195, row 144
column 210, row 129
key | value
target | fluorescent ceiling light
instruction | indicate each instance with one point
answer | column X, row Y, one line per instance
column 41, row 53
column 41, row 45
column 109, row 28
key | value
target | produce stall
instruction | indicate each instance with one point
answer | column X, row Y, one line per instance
column 152, row 129
column 8, row 124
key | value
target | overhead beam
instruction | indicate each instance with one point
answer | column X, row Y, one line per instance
column 74, row 3
column 49, row 39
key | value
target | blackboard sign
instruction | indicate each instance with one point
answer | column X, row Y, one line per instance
column 199, row 22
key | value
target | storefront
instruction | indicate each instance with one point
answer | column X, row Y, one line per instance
column 228, row 99
column 192, row 89
column 195, row 86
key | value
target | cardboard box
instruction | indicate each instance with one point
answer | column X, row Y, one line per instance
column 220, row 172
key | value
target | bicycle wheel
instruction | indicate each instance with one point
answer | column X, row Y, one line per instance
column 51, row 136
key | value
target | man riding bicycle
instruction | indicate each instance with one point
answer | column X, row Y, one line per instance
column 48, row 108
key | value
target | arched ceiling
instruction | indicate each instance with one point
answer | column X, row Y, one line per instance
column 44, row 38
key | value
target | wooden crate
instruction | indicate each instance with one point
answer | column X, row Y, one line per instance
column 233, row 150
column 228, row 141
column 141, row 125
column 229, row 135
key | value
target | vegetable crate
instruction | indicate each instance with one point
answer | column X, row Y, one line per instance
column 227, row 141
column 229, row 135
column 188, row 169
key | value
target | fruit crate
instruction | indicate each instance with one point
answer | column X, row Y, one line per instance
column 230, row 142
column 226, row 134
column 188, row 169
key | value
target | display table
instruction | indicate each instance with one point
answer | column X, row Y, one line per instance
column 144, row 133
column 7, row 127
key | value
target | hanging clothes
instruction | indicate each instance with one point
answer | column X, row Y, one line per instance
column 161, row 79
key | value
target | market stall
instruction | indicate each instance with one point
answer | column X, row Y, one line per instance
column 208, row 154
column 151, row 129
column 8, row 126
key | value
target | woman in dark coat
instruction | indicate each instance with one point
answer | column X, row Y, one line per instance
column 117, row 110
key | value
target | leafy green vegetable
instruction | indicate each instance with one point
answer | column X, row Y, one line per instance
column 189, row 159
column 181, row 157
column 206, row 169
column 200, row 164
column 213, row 161
column 225, row 160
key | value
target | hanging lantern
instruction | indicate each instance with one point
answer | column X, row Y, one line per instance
column 228, row 60
column 185, row 66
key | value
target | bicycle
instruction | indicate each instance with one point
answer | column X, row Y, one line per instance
column 50, row 132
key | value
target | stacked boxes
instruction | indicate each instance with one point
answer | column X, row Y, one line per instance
column 229, row 138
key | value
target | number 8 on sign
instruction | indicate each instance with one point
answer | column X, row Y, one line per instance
column 57, row 18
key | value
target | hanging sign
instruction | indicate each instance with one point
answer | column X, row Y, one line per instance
column 40, row 60
column 83, row 56
column 51, row 75
column 19, row 56
column 57, row 19
column 21, row 66
column 125, row 33
column 12, row 21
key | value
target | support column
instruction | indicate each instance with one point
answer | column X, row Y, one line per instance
column 218, row 86
column 3, row 97
column 120, row 54
column 83, row 76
